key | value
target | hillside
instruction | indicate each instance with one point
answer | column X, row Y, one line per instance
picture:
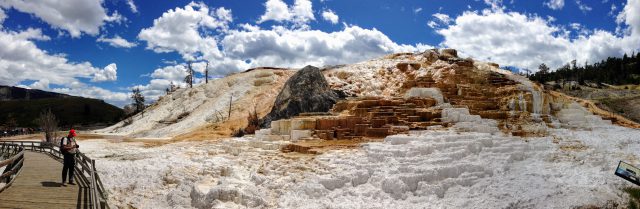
column 622, row 100
column 25, row 105
column 410, row 130
column 203, row 111
column 611, row 83
column 493, row 93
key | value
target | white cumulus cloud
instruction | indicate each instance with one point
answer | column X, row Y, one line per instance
column 41, row 84
column 109, row 73
column 173, row 73
column 248, row 46
column 22, row 61
column 330, row 16
column 235, row 49
column 554, row 4
column 115, row 18
column 180, row 30
column 162, row 78
column 299, row 14
column 116, row 98
column 583, row 7
column 526, row 41
column 495, row 5
column 630, row 15
column 438, row 20
column 132, row 6
column 2, row 17
column 297, row 48
column 444, row 18
column 73, row 16
column 433, row 24
column 612, row 10
column 117, row 41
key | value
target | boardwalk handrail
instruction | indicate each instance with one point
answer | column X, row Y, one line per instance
column 85, row 166
column 15, row 158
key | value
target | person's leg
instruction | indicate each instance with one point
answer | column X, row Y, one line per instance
column 72, row 168
column 65, row 168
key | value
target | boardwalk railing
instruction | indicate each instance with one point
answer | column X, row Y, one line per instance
column 85, row 166
column 14, row 156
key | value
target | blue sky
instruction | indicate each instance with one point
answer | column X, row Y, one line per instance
column 103, row 48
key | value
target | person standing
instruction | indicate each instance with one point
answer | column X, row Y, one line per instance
column 69, row 148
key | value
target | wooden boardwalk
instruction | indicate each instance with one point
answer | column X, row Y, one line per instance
column 38, row 186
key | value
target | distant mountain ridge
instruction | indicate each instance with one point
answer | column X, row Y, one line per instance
column 23, row 106
column 16, row 93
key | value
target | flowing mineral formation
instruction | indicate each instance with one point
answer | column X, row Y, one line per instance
column 430, row 130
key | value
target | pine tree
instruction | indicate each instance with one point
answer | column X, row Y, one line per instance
column 138, row 99
column 619, row 71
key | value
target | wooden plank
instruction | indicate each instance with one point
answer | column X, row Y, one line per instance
column 38, row 186
column 27, row 204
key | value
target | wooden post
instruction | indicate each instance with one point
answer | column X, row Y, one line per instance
column 94, row 191
column 230, row 99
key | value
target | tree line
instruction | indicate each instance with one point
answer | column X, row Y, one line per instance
column 613, row 70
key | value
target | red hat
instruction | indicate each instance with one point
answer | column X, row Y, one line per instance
column 72, row 133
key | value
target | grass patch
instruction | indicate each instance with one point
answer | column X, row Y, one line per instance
column 613, row 104
column 634, row 197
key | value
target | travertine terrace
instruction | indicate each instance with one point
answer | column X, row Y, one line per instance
column 424, row 128
column 403, row 92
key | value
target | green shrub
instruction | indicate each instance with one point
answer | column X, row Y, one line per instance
column 634, row 197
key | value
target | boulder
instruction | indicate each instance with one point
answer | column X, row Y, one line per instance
column 468, row 62
column 431, row 55
column 305, row 91
column 449, row 52
column 404, row 66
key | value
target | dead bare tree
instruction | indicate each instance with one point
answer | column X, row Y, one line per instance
column 129, row 110
column 49, row 125
column 206, row 73
column 11, row 122
column 219, row 116
column 189, row 78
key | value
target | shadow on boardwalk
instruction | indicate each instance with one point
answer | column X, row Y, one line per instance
column 38, row 185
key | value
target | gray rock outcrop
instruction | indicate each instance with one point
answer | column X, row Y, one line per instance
column 305, row 91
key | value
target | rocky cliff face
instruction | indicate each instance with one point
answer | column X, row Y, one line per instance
column 305, row 91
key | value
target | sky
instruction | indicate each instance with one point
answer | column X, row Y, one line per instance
column 104, row 48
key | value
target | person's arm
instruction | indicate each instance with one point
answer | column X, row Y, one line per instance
column 65, row 144
column 75, row 143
